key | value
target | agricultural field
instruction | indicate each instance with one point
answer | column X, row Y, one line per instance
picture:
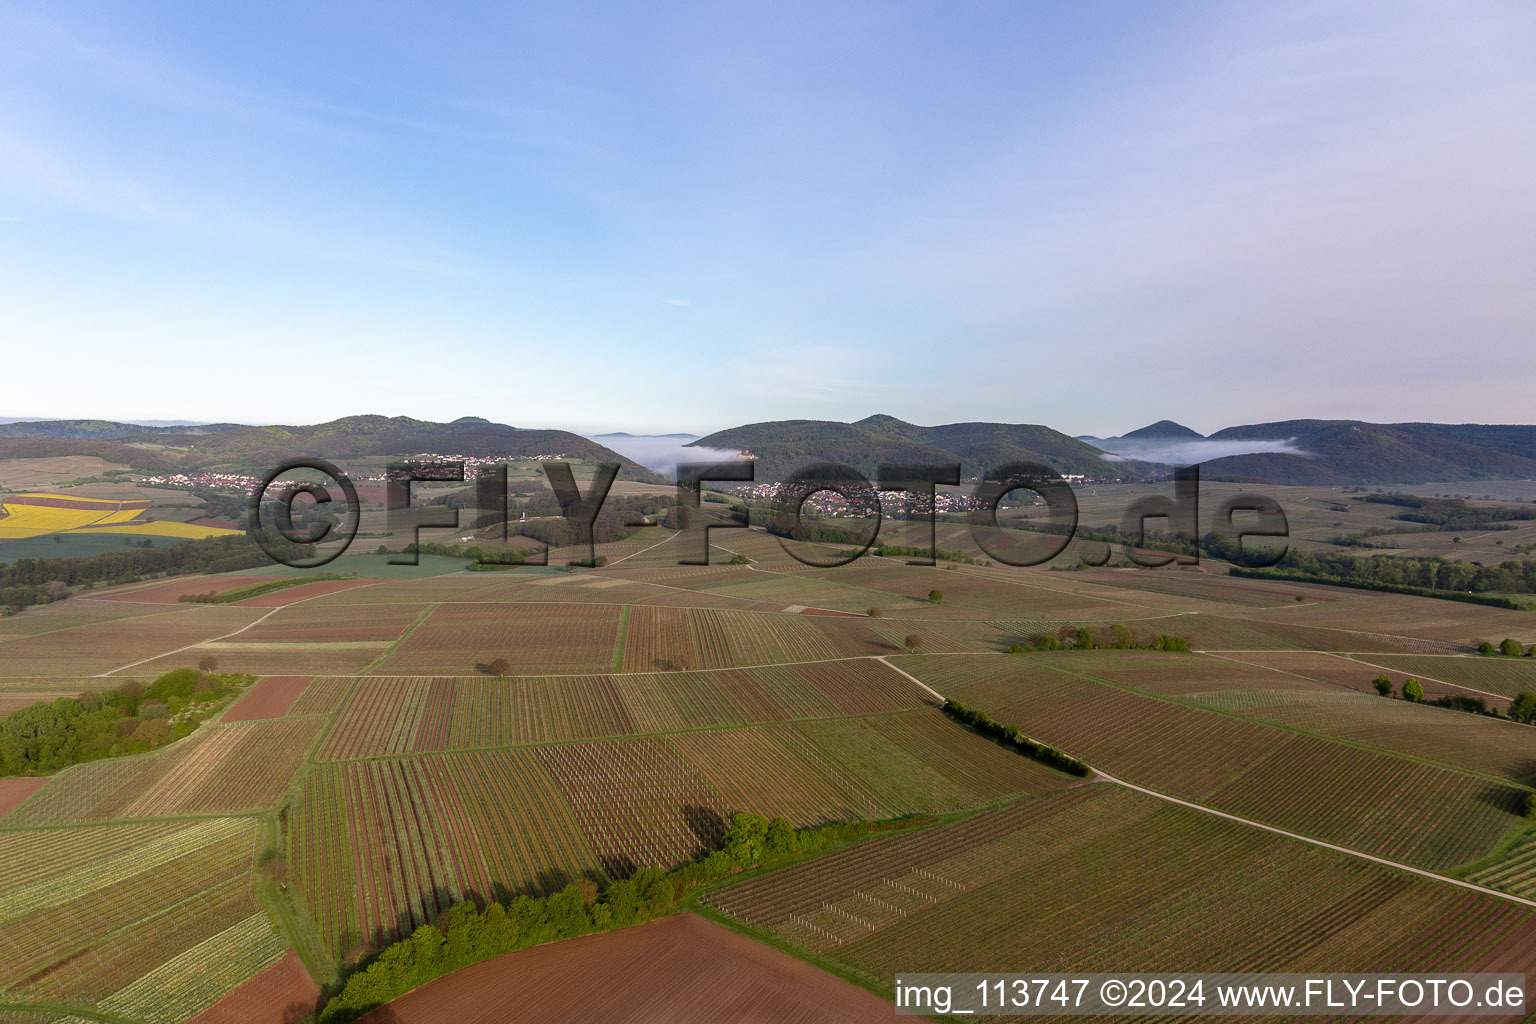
column 1136, row 884
column 151, row 922
column 219, row 768
column 1220, row 751
column 667, row 970
column 1496, row 676
column 34, row 515
column 458, row 639
column 382, row 769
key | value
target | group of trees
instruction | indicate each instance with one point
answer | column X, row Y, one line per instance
column 1413, row 690
column 1009, row 736
column 1117, row 637
column 466, row 933
column 15, row 599
column 43, row 738
column 1521, row 709
column 1508, row 648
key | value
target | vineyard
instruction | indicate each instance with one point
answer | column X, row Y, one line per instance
column 101, row 646
column 413, row 715
column 381, row 847
column 1134, row 884
column 1503, row 676
column 1419, row 813
column 315, row 622
column 638, row 802
column 1515, row 873
column 219, row 768
column 89, row 916
column 1414, row 813
column 459, row 639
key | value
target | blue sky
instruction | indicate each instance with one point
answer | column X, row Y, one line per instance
column 687, row 216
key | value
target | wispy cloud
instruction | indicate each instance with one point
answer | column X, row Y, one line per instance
column 676, row 302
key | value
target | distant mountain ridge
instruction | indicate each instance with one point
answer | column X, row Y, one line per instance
column 101, row 428
column 1301, row 451
column 782, row 446
column 1356, row 452
column 1166, row 429
column 238, row 448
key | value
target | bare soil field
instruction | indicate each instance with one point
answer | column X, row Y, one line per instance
column 282, row 994
column 173, row 591
column 683, row 970
column 14, row 791
column 270, row 698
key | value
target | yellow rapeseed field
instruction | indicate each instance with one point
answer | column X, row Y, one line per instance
column 23, row 519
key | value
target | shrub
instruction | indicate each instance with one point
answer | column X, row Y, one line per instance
column 132, row 689
column 499, row 667
column 874, row 613
column 1485, row 648
column 208, row 664
column 1511, row 648
column 1413, row 690
column 154, row 709
column 1523, row 707
column 935, row 596
column 1383, row 685
column 178, row 682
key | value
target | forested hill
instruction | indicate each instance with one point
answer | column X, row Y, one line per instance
column 356, row 436
column 98, row 429
column 247, row 449
column 782, row 446
column 1353, row 452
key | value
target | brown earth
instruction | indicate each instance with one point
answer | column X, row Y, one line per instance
column 14, row 791
column 281, row 994
column 171, row 592
column 270, row 698
column 683, row 970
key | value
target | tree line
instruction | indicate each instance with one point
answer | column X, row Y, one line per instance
column 208, row 555
column 466, row 933
column 1010, row 737
column 1116, row 637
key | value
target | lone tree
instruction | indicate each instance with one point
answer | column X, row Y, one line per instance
column 1383, row 685
column 209, row 664
column 499, row 667
column 1523, row 707
column 935, row 596
column 1511, row 648
column 913, row 642
column 1413, row 690
column 874, row 613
